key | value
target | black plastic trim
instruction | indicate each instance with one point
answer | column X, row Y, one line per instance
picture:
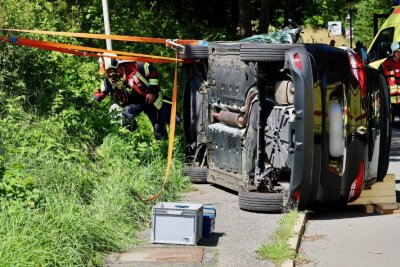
column 304, row 125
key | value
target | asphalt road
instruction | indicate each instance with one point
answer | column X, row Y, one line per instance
column 333, row 237
column 238, row 234
column 349, row 237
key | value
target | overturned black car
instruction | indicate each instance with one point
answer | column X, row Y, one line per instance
column 284, row 124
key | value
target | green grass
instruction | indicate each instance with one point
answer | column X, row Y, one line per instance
column 61, row 205
column 278, row 250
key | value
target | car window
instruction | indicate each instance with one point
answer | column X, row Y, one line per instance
column 381, row 47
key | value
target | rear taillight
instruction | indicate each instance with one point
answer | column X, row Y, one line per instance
column 357, row 69
column 296, row 195
column 357, row 185
column 297, row 61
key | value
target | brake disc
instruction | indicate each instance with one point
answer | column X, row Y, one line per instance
column 277, row 135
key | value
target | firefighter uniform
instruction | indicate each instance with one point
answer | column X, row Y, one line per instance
column 136, row 83
column 391, row 70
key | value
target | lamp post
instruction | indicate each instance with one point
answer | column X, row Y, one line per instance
column 106, row 23
column 350, row 6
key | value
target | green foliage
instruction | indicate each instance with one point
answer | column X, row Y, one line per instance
column 322, row 11
column 65, row 204
column 73, row 184
column 65, row 234
column 19, row 190
column 363, row 19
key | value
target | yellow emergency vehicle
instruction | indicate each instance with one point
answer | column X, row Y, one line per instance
column 379, row 49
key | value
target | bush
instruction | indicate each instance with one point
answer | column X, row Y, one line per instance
column 63, row 204
column 73, row 184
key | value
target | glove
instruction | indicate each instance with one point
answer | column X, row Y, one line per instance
column 150, row 98
column 99, row 95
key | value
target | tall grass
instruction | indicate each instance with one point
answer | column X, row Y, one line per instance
column 62, row 204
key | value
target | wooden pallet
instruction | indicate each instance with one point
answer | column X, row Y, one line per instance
column 381, row 198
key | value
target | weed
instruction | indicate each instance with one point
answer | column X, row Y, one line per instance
column 61, row 204
column 278, row 250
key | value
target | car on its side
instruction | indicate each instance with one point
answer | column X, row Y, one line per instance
column 284, row 123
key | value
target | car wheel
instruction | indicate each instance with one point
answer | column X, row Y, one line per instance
column 264, row 52
column 197, row 175
column 194, row 52
column 255, row 201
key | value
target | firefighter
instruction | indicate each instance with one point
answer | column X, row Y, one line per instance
column 391, row 70
column 134, row 87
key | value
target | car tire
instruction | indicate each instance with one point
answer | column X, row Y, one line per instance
column 255, row 201
column 194, row 52
column 197, row 175
column 386, row 133
column 264, row 52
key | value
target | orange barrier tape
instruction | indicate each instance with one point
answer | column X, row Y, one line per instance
column 92, row 49
column 171, row 136
column 52, row 48
column 105, row 36
column 71, row 49
column 67, row 48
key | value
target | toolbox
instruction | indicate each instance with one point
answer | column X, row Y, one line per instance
column 177, row 223
column 209, row 216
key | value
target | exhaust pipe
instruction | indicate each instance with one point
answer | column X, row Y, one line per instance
column 230, row 118
column 233, row 118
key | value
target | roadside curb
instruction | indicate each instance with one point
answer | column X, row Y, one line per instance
column 295, row 241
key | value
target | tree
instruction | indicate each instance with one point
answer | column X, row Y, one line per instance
column 264, row 16
column 363, row 18
column 244, row 18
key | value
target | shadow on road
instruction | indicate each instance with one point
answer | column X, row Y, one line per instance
column 337, row 212
column 395, row 153
column 225, row 189
column 211, row 241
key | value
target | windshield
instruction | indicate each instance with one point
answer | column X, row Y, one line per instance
column 381, row 47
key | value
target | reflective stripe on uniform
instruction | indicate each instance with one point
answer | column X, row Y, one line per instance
column 146, row 69
column 153, row 81
column 391, row 70
column 142, row 79
column 159, row 101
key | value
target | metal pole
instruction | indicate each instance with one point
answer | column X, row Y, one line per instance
column 106, row 23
